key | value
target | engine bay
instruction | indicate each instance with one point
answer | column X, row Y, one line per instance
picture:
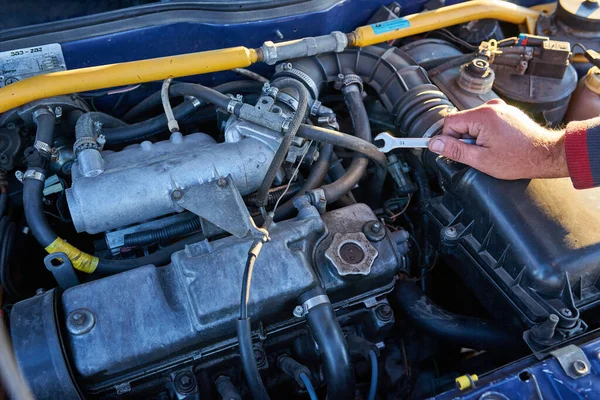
column 220, row 222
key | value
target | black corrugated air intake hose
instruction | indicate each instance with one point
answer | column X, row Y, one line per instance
column 471, row 332
column 418, row 106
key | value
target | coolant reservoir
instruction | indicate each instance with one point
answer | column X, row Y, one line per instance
column 585, row 101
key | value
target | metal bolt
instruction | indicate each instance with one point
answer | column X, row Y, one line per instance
column 396, row 10
column 566, row 312
column 376, row 227
column 384, row 313
column 58, row 111
column 450, row 232
column 287, row 66
column 351, row 253
column 185, row 382
column 298, row 311
column 80, row 321
column 25, row 230
column 260, row 357
column 177, row 195
column 279, row 34
column 221, row 182
column 39, row 292
column 580, row 367
column 11, row 126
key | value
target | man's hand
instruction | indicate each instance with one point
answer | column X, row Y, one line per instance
column 509, row 144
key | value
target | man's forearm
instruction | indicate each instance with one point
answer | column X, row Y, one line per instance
column 582, row 149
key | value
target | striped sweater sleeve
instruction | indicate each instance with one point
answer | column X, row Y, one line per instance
column 582, row 148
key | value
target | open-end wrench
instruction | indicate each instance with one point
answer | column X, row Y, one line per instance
column 391, row 142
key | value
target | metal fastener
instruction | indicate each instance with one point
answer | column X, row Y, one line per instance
column 374, row 231
column 580, row 367
column 298, row 312
column 279, row 34
column 566, row 312
column 80, row 321
column 260, row 357
column 384, row 313
column 177, row 195
column 185, row 382
column 450, row 232
column 222, row 182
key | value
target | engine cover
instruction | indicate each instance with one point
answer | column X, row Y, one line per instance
column 151, row 317
column 530, row 247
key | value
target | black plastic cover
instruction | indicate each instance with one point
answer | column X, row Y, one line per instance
column 527, row 246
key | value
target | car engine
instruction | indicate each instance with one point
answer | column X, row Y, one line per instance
column 220, row 222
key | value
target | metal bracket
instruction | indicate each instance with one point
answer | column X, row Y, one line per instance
column 61, row 267
column 232, row 214
column 573, row 361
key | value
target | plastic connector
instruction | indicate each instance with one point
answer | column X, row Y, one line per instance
column 360, row 346
column 293, row 368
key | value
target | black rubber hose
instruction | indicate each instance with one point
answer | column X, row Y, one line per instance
column 3, row 201
column 33, row 195
column 45, row 128
column 151, row 236
column 344, row 140
column 251, row 373
column 328, row 335
column 154, row 100
column 460, row 330
column 359, row 164
column 148, row 128
column 315, row 178
column 424, row 196
column 286, row 141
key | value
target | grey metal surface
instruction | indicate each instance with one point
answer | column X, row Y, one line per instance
column 275, row 52
column 162, row 313
column 232, row 215
column 137, row 182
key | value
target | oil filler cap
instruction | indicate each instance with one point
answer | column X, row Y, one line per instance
column 579, row 14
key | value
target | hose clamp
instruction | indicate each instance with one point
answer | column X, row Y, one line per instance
column 352, row 79
column 433, row 129
column 33, row 174
column 314, row 108
column 85, row 143
column 288, row 69
column 269, row 90
column 42, row 147
column 195, row 102
column 232, row 104
column 302, row 310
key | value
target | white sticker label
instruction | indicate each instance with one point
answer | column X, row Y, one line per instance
column 24, row 63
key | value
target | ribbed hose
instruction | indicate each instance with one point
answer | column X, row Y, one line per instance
column 151, row 236
column 471, row 332
column 286, row 141
column 403, row 87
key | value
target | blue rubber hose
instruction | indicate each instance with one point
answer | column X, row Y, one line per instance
column 309, row 387
column 374, row 375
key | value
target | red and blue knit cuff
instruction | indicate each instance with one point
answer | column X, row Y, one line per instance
column 582, row 148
